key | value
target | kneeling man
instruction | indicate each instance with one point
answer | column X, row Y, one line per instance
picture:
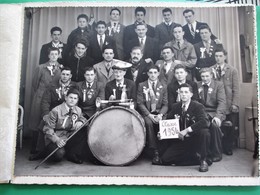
column 60, row 123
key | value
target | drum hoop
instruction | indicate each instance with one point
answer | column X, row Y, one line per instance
column 134, row 112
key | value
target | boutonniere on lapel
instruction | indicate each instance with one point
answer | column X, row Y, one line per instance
column 118, row 28
column 106, row 43
column 202, row 52
column 177, row 116
column 200, row 89
column 146, row 93
column 210, row 90
column 178, row 99
column 74, row 118
column 197, row 31
column 60, row 46
column 210, row 50
column 87, row 94
column 190, row 119
column 109, row 28
column 58, row 91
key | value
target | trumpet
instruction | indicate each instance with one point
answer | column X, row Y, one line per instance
column 125, row 102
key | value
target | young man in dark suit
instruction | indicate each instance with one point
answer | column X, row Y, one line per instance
column 152, row 104
column 98, row 41
column 163, row 31
column 56, row 42
column 194, row 138
column 149, row 45
column 192, row 27
column 130, row 29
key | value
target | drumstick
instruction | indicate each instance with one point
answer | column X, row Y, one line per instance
column 66, row 141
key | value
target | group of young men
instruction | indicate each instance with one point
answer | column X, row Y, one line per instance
column 170, row 71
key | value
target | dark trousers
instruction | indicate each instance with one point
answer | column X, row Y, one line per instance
column 185, row 152
column 229, row 132
column 215, row 148
column 151, row 133
column 74, row 146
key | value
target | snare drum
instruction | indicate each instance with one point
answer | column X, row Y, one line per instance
column 116, row 135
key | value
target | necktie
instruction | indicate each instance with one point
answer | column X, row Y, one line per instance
column 179, row 44
column 108, row 68
column 207, row 46
column 192, row 30
column 89, row 86
column 101, row 42
column 219, row 72
column 153, row 86
column 183, row 117
column 142, row 43
column 206, row 87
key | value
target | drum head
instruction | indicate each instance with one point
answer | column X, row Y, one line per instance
column 117, row 136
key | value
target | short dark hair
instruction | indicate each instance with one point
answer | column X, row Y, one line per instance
column 89, row 68
column 115, row 8
column 186, row 85
column 107, row 47
column 179, row 66
column 73, row 90
column 100, row 22
column 140, row 24
column 66, row 68
column 137, row 47
column 187, row 11
column 177, row 25
column 55, row 28
column 154, row 67
column 82, row 16
column 140, row 9
column 53, row 49
column 166, row 10
column 204, row 27
column 167, row 47
column 83, row 42
column 221, row 50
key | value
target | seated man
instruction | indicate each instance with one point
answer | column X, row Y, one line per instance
column 212, row 96
column 120, row 88
column 180, row 78
column 152, row 104
column 60, row 124
column 166, row 65
column 192, row 146
column 89, row 90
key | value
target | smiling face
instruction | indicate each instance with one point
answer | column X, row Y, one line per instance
column 80, row 49
column 185, row 94
column 101, row 29
column 205, row 34
column 82, row 22
column 119, row 74
column 167, row 16
column 55, row 36
column 206, row 77
column 53, row 56
column 71, row 99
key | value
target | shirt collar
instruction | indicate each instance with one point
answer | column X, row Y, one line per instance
column 122, row 82
column 170, row 23
column 205, row 83
column 103, row 36
column 55, row 44
column 187, row 104
column 144, row 38
column 150, row 83
column 181, row 82
column 89, row 83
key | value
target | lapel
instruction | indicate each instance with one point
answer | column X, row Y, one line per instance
column 103, row 69
column 211, row 86
column 96, row 43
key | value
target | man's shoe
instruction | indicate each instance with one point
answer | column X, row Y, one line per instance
column 156, row 159
column 228, row 152
column 37, row 156
column 216, row 158
column 203, row 166
column 209, row 161
column 74, row 159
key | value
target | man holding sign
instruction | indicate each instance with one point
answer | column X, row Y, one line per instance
column 192, row 146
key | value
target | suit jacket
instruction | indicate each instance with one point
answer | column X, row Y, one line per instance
column 173, row 92
column 229, row 77
column 163, row 77
column 53, row 97
column 150, row 49
column 164, row 33
column 94, row 50
column 144, row 105
column 196, row 112
column 130, row 33
column 186, row 54
column 196, row 38
column 102, row 75
column 45, row 50
column 117, row 36
column 130, row 90
column 215, row 104
column 142, row 68
column 87, row 100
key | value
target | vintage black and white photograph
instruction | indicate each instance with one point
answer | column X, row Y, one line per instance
column 138, row 92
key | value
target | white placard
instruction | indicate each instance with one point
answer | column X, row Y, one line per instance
column 169, row 129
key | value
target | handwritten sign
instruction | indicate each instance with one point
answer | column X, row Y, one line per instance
column 169, row 129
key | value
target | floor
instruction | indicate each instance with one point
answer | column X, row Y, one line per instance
column 239, row 164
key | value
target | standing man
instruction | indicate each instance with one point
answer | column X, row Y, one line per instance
column 184, row 52
column 205, row 50
column 139, row 68
column 192, row 27
column 78, row 60
column 180, row 74
column 152, row 104
column 229, row 76
column 89, row 90
column 98, row 41
column 120, row 88
column 149, row 45
column 116, row 30
column 56, row 42
column 192, row 146
column 212, row 96
column 60, row 123
column 163, row 31
column 166, row 65
column 130, row 33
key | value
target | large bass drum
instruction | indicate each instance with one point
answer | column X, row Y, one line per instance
column 117, row 136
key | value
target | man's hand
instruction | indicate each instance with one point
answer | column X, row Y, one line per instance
column 183, row 133
column 217, row 121
column 177, row 62
column 112, row 97
column 152, row 117
column 159, row 136
column 217, row 41
column 148, row 60
column 234, row 109
column 78, row 125
column 61, row 143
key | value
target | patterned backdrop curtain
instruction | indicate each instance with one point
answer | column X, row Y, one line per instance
column 223, row 22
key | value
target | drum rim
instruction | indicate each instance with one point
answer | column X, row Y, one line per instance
column 140, row 118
